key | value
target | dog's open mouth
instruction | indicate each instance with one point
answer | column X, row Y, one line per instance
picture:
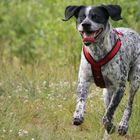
column 90, row 36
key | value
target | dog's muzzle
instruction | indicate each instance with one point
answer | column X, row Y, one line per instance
column 89, row 37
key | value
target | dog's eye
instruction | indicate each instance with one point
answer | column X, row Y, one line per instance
column 82, row 17
column 95, row 17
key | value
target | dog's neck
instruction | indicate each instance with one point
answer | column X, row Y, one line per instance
column 102, row 47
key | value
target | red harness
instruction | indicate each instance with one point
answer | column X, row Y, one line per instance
column 96, row 66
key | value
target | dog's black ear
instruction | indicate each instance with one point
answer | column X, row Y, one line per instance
column 114, row 11
column 71, row 11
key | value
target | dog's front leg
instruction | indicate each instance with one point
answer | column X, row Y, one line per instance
column 82, row 92
column 84, row 81
column 116, row 98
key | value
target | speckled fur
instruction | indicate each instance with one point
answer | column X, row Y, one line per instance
column 125, row 66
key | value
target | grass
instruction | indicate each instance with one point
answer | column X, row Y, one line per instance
column 37, row 105
column 39, row 61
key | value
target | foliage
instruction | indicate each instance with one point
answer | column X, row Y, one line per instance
column 32, row 30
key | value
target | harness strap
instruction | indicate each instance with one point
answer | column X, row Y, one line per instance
column 96, row 66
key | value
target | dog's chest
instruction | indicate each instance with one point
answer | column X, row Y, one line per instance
column 118, row 67
column 111, row 71
column 114, row 69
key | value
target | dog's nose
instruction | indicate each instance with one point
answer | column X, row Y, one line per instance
column 86, row 25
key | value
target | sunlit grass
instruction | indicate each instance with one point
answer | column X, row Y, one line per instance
column 39, row 106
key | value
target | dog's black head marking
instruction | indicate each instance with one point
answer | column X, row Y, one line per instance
column 71, row 11
column 114, row 11
column 106, row 11
column 92, row 21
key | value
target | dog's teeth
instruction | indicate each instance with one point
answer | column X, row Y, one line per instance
column 94, row 35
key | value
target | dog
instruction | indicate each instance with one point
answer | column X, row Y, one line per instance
column 110, row 57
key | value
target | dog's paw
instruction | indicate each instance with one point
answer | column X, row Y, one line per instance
column 78, row 116
column 110, row 128
column 78, row 121
column 122, row 130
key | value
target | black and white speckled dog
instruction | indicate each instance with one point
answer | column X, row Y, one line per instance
column 99, row 41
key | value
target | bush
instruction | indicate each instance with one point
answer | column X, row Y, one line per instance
column 32, row 30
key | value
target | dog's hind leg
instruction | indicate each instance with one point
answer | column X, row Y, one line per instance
column 115, row 100
column 107, row 94
column 106, row 97
column 134, row 79
column 123, row 125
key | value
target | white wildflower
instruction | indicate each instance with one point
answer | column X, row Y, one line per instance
column 22, row 132
column 44, row 83
column 26, row 101
column 4, row 130
column 59, row 106
column 9, row 97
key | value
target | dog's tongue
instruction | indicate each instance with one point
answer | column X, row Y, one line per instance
column 88, row 38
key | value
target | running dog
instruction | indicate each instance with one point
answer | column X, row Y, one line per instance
column 110, row 57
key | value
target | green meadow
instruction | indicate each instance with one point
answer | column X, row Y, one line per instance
column 39, row 63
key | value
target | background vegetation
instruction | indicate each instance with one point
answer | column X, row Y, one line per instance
column 39, row 60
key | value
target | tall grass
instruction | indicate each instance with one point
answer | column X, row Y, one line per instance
column 39, row 60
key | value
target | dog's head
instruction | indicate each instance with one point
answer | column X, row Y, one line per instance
column 91, row 22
